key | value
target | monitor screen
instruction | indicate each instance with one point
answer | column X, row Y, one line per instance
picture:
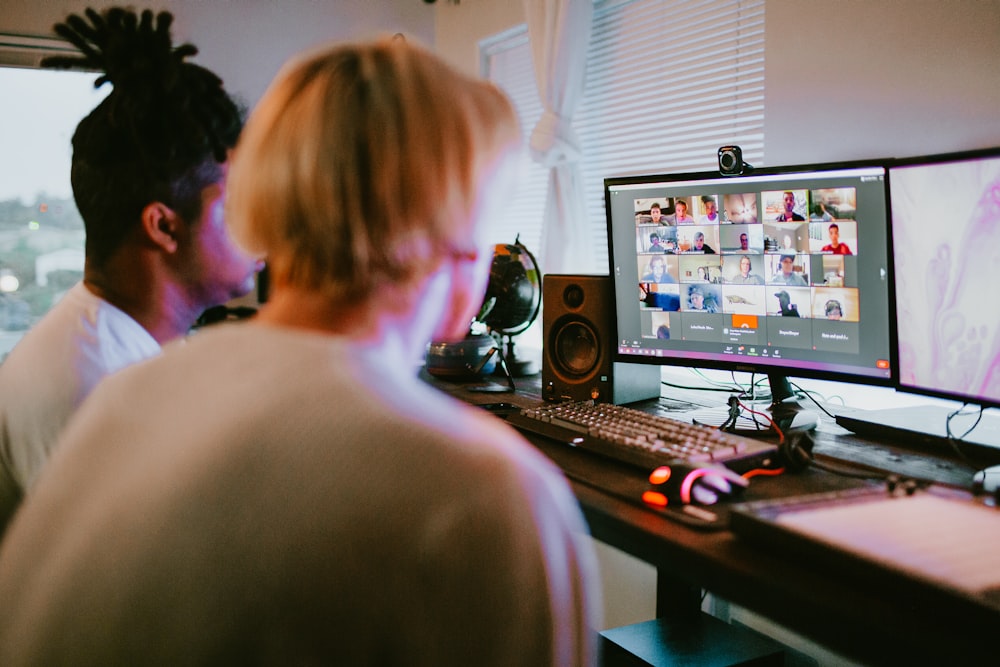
column 946, row 245
column 783, row 271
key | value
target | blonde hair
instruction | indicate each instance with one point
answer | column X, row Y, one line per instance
column 362, row 164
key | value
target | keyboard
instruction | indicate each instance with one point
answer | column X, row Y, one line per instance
column 640, row 439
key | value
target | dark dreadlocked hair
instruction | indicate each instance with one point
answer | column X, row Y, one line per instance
column 160, row 135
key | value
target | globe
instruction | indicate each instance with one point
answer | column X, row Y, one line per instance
column 511, row 304
column 513, row 300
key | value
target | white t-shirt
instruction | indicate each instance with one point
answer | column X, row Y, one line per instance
column 48, row 374
column 269, row 496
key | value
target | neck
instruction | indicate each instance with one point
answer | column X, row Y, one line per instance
column 395, row 331
column 300, row 309
column 141, row 289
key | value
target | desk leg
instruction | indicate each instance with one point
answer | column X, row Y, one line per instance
column 676, row 600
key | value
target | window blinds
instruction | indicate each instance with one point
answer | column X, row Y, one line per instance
column 667, row 83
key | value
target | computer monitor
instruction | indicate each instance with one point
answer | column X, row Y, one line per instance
column 946, row 243
column 779, row 271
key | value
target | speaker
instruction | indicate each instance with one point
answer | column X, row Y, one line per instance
column 578, row 345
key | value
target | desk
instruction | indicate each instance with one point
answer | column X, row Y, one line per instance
column 872, row 626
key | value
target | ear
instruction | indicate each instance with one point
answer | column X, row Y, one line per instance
column 161, row 225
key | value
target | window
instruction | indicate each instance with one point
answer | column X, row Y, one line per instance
column 508, row 61
column 41, row 232
column 668, row 82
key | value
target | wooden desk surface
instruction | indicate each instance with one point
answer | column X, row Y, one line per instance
column 875, row 624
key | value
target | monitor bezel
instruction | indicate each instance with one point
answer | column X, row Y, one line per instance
column 743, row 365
column 930, row 160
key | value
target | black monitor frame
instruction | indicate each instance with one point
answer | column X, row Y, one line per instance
column 895, row 168
column 808, row 176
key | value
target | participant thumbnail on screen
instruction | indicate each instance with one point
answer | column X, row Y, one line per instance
column 740, row 207
column 655, row 239
column 707, row 212
column 701, row 239
column 701, row 298
column 787, row 268
column 836, row 238
column 786, row 236
column 829, row 204
column 741, row 238
column 700, row 268
column 789, row 301
column 652, row 210
column 836, row 304
column 784, row 205
column 743, row 269
column 658, row 269
column 744, row 299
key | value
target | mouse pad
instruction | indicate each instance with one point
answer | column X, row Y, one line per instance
column 943, row 537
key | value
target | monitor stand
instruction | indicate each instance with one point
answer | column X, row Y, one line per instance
column 785, row 410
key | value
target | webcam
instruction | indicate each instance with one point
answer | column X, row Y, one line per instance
column 731, row 161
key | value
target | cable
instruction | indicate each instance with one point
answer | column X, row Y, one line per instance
column 681, row 386
column 697, row 371
column 952, row 440
column 846, row 473
column 979, row 418
column 771, row 423
column 809, row 395
column 733, row 416
column 770, row 472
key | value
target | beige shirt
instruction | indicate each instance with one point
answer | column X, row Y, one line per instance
column 271, row 496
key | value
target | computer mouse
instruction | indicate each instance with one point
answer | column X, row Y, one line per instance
column 987, row 480
column 702, row 485
column 707, row 486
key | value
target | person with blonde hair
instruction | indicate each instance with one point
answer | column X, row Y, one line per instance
column 286, row 490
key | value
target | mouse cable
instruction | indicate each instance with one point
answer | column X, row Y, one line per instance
column 768, row 472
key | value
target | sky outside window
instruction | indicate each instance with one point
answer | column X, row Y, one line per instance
column 41, row 234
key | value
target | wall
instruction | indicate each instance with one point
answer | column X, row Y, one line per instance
column 846, row 79
column 247, row 41
column 880, row 77
column 852, row 79
column 459, row 28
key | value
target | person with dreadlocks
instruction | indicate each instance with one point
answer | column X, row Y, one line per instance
column 148, row 173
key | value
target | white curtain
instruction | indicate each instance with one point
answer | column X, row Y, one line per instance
column 559, row 31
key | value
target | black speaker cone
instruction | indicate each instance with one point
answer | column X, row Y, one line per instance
column 577, row 348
